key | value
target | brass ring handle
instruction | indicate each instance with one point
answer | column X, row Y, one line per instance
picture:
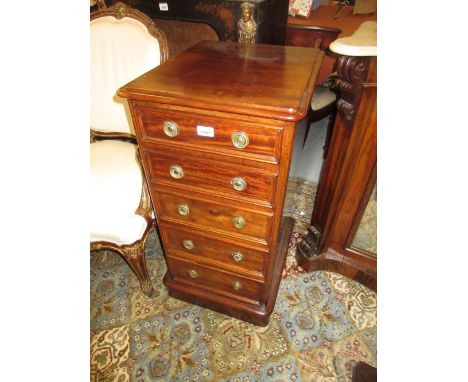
column 171, row 129
column 240, row 139
column 238, row 256
column 176, row 171
column 183, row 209
column 237, row 285
column 239, row 222
column 193, row 273
column 188, row 244
column 238, row 183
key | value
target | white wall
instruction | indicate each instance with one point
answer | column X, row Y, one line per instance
column 306, row 163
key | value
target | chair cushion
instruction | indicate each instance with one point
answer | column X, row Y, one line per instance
column 322, row 97
column 121, row 50
column 116, row 182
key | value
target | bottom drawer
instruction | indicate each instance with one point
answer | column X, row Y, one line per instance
column 213, row 279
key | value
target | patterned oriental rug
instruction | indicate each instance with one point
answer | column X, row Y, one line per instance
column 322, row 325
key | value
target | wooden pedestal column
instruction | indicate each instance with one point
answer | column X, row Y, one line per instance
column 348, row 177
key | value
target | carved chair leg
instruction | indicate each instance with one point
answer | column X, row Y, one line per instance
column 135, row 257
column 331, row 124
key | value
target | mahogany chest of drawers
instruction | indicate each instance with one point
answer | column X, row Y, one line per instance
column 215, row 128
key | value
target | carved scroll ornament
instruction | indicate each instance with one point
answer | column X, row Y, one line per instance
column 352, row 72
column 345, row 109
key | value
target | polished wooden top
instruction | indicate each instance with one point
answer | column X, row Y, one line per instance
column 323, row 17
column 269, row 81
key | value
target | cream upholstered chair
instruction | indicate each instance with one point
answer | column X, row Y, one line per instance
column 125, row 43
column 322, row 104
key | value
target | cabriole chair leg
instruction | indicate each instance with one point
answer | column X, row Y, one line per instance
column 135, row 257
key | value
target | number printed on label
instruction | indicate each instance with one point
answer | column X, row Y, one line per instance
column 205, row 131
column 163, row 7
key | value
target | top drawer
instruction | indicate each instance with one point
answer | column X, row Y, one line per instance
column 257, row 141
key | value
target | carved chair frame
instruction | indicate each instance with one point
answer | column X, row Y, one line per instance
column 132, row 253
column 319, row 38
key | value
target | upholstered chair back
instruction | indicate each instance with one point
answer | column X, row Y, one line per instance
column 121, row 50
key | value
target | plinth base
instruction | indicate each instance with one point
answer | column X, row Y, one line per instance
column 332, row 261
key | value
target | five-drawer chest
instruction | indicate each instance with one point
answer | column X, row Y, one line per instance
column 215, row 128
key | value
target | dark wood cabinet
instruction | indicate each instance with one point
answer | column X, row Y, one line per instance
column 348, row 177
column 349, row 170
column 324, row 17
column 215, row 129
column 268, row 16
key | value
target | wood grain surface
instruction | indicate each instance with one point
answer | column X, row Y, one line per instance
column 263, row 80
column 261, row 91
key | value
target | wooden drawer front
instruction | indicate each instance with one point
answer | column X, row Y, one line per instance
column 211, row 176
column 208, row 249
column 215, row 279
column 209, row 214
column 264, row 141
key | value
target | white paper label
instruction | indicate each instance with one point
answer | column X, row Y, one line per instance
column 163, row 7
column 205, row 131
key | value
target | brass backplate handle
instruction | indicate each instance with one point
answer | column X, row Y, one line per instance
column 239, row 222
column 240, row 139
column 176, row 171
column 237, row 285
column 238, row 183
column 193, row 273
column 188, row 244
column 183, row 209
column 238, row 256
column 171, row 129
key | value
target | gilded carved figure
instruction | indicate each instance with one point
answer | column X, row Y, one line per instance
column 247, row 25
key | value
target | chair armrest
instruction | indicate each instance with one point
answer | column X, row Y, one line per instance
column 330, row 82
